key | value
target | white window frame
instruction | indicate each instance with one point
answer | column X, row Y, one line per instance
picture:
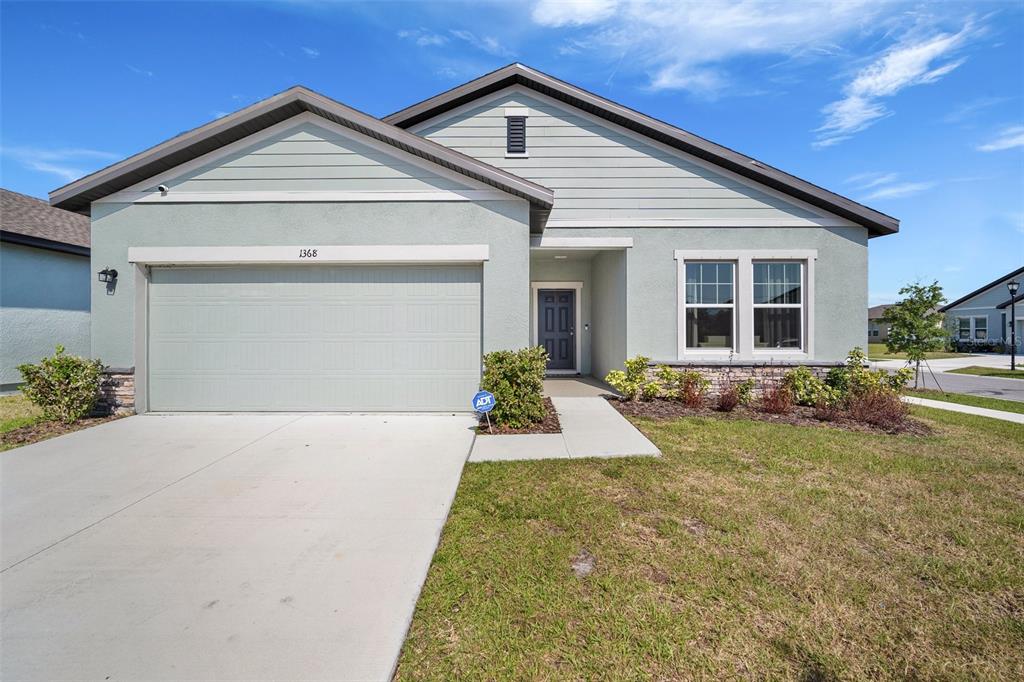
column 682, row 327
column 782, row 306
column 972, row 327
column 743, row 334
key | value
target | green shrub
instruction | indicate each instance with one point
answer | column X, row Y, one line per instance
column 64, row 387
column 633, row 383
column 516, row 378
column 808, row 389
column 745, row 391
column 690, row 386
column 856, row 377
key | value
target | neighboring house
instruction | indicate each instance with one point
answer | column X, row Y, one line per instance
column 44, row 283
column 983, row 316
column 878, row 331
column 301, row 255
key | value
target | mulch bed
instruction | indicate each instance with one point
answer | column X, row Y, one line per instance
column 549, row 424
column 33, row 433
column 661, row 410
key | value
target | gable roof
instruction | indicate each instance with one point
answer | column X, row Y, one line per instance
column 78, row 195
column 517, row 74
column 33, row 222
column 1006, row 304
column 998, row 280
column 876, row 311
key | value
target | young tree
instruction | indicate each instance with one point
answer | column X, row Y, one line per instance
column 915, row 323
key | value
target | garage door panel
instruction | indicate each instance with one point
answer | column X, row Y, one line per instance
column 314, row 337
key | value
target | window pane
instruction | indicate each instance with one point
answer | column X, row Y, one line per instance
column 708, row 273
column 709, row 328
column 692, row 272
column 980, row 328
column 777, row 327
column 709, row 283
column 777, row 283
column 724, row 293
column 965, row 323
column 708, row 293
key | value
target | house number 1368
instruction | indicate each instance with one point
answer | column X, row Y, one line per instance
column 307, row 253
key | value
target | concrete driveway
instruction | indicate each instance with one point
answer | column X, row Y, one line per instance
column 199, row 547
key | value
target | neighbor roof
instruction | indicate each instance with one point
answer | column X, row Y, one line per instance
column 979, row 290
column 1006, row 304
column 33, row 222
column 78, row 195
column 517, row 74
column 876, row 311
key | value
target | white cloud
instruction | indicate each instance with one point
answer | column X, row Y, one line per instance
column 423, row 37
column 1008, row 138
column 572, row 12
column 311, row 52
column 969, row 110
column 142, row 72
column 871, row 179
column 900, row 190
column 68, row 163
column 486, row 43
column 219, row 114
column 684, row 45
column 912, row 61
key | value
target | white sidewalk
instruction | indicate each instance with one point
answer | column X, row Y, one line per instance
column 966, row 409
column 590, row 428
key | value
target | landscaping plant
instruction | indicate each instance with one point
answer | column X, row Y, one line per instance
column 633, row 383
column 689, row 386
column 64, row 387
column 915, row 324
column 516, row 378
column 808, row 389
column 728, row 398
column 745, row 391
column 778, row 399
column 880, row 407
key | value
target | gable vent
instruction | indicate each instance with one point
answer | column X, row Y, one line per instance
column 516, row 134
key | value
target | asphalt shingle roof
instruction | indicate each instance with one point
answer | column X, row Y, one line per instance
column 22, row 214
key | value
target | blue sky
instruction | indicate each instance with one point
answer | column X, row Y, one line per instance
column 916, row 109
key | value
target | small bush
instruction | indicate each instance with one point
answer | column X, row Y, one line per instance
column 633, row 383
column 808, row 389
column 855, row 377
column 64, row 387
column 728, row 398
column 828, row 410
column 778, row 399
column 516, row 378
column 878, row 407
column 694, row 388
column 745, row 390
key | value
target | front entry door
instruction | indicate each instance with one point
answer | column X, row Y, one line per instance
column 556, row 327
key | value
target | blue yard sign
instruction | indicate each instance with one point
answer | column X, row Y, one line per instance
column 483, row 402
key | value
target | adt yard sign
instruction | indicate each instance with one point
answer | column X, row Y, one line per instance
column 483, row 402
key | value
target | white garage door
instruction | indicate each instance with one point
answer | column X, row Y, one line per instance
column 317, row 337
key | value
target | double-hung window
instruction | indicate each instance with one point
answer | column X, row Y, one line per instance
column 778, row 305
column 972, row 328
column 710, row 305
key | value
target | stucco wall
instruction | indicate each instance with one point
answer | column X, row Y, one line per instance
column 840, row 286
column 503, row 225
column 44, row 301
column 609, row 312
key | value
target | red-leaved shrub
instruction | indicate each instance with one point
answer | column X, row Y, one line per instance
column 878, row 407
column 827, row 410
column 777, row 399
column 728, row 398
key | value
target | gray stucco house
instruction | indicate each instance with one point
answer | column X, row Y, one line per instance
column 878, row 330
column 982, row 317
column 44, row 283
column 301, row 255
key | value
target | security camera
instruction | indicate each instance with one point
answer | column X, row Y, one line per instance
column 162, row 188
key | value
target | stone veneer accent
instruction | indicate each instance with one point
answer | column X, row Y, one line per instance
column 117, row 391
column 722, row 374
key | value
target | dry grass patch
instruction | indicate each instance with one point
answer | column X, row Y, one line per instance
column 751, row 549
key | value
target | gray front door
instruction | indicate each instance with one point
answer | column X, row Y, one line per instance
column 556, row 326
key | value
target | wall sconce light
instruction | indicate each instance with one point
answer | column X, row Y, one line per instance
column 108, row 275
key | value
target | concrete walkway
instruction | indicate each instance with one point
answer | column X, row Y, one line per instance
column 590, row 428
column 199, row 547
column 966, row 409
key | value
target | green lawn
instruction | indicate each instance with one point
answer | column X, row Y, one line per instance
column 989, row 372
column 974, row 400
column 15, row 412
column 878, row 351
column 751, row 550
